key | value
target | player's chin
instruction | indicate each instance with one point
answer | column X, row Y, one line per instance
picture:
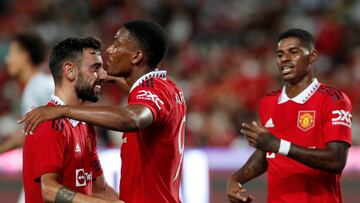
column 288, row 77
column 94, row 97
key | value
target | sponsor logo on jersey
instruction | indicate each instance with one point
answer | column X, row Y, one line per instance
column 306, row 120
column 82, row 177
column 269, row 123
column 147, row 95
column 341, row 117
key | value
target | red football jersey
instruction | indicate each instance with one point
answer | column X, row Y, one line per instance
column 66, row 147
column 152, row 158
column 318, row 115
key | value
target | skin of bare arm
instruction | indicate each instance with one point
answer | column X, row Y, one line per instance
column 53, row 191
column 102, row 190
column 15, row 140
column 130, row 118
column 255, row 166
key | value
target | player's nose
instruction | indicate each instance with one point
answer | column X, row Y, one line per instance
column 102, row 74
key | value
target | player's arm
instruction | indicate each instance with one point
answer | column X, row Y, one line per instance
column 53, row 191
column 332, row 158
column 15, row 140
column 103, row 190
column 255, row 166
column 130, row 118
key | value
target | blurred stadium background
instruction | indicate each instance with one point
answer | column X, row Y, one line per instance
column 222, row 54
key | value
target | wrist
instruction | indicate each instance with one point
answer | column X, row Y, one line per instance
column 284, row 147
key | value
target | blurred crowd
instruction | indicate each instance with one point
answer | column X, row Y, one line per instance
column 222, row 52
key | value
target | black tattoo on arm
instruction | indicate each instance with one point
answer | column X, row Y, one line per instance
column 64, row 195
column 255, row 166
column 332, row 158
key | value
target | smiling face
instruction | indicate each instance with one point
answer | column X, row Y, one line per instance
column 121, row 53
column 91, row 76
column 294, row 60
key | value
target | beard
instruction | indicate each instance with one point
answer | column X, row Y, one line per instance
column 84, row 91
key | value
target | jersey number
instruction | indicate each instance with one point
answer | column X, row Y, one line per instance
column 181, row 143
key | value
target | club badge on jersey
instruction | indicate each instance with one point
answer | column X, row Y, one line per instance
column 306, row 120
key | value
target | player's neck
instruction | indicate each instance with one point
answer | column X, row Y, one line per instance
column 67, row 94
column 294, row 89
column 28, row 73
column 137, row 73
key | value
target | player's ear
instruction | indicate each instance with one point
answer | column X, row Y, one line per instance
column 137, row 57
column 313, row 56
column 69, row 71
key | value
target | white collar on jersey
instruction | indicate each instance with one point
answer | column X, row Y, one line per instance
column 303, row 96
column 156, row 73
column 56, row 100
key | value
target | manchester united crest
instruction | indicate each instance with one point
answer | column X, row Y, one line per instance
column 306, row 120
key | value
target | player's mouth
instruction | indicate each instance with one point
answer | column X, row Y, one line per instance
column 97, row 88
column 286, row 69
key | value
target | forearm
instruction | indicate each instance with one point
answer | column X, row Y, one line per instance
column 59, row 193
column 109, row 117
column 255, row 166
column 108, row 193
column 53, row 191
column 15, row 141
column 331, row 159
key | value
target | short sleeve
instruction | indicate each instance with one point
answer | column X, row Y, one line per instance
column 337, row 121
column 151, row 97
column 49, row 152
column 96, row 166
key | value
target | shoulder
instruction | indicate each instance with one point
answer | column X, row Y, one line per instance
column 272, row 96
column 51, row 127
column 155, row 85
column 333, row 94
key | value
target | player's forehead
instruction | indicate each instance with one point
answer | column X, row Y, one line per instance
column 288, row 43
column 15, row 46
column 91, row 55
column 122, row 35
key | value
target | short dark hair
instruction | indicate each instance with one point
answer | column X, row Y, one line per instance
column 70, row 49
column 151, row 38
column 32, row 43
column 304, row 36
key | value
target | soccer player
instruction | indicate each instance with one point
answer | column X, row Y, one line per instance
column 306, row 135
column 60, row 159
column 154, row 119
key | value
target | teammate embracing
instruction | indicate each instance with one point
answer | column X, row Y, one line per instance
column 154, row 119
